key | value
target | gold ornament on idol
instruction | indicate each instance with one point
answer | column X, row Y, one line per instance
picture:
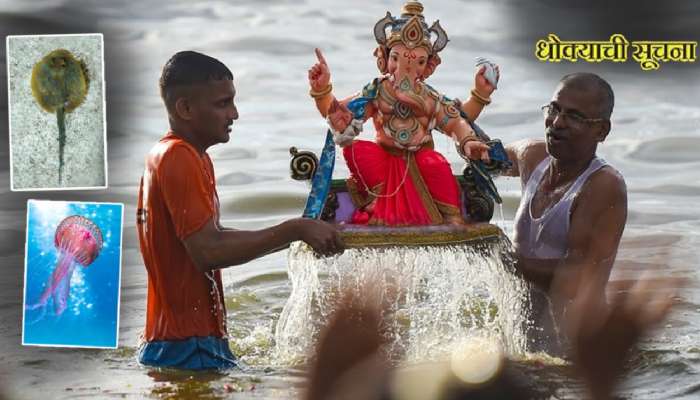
column 410, row 29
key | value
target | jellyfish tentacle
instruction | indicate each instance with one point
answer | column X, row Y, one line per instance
column 40, row 316
column 64, row 267
column 60, row 295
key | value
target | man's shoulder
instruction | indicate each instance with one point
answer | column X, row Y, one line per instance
column 606, row 178
column 528, row 154
column 532, row 150
column 171, row 150
column 604, row 189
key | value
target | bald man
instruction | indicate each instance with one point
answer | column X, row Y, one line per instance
column 574, row 205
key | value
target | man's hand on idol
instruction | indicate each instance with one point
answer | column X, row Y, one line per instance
column 476, row 150
column 323, row 237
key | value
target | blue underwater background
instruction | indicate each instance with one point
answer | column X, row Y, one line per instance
column 91, row 316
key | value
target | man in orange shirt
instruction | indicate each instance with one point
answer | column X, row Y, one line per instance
column 182, row 242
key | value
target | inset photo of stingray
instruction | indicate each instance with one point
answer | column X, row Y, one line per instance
column 57, row 112
column 72, row 274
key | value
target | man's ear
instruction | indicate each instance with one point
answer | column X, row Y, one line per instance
column 604, row 131
column 183, row 108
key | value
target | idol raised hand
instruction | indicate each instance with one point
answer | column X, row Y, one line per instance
column 319, row 73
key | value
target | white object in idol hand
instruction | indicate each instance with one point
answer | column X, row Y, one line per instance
column 490, row 73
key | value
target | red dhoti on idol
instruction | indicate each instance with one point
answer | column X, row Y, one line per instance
column 405, row 187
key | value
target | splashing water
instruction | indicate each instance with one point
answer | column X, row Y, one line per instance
column 435, row 297
column 501, row 223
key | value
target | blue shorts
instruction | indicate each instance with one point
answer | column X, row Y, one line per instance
column 195, row 353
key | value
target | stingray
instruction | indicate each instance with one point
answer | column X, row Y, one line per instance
column 60, row 84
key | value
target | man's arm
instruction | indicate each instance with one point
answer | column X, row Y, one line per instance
column 196, row 223
column 598, row 219
column 538, row 271
column 597, row 222
column 211, row 247
column 525, row 155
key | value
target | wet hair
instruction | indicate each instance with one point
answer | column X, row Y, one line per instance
column 587, row 81
column 188, row 68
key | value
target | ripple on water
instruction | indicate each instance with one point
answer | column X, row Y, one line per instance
column 263, row 280
column 656, row 374
column 264, row 203
column 11, row 241
column 626, row 120
column 242, row 178
column 502, row 119
column 673, row 150
column 649, row 219
column 674, row 189
column 275, row 47
column 234, row 153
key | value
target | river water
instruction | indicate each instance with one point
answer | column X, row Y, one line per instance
column 269, row 46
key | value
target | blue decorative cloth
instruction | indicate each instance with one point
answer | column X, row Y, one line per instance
column 358, row 105
column 196, row 353
column 321, row 181
column 482, row 171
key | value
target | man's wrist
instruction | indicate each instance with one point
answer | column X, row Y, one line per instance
column 462, row 143
column 466, row 139
column 291, row 229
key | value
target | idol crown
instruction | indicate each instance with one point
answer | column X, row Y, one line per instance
column 410, row 29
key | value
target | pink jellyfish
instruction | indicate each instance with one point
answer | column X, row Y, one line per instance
column 78, row 240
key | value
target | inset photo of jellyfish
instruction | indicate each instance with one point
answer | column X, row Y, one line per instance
column 72, row 274
column 56, row 108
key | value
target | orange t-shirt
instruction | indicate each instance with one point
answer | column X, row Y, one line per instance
column 177, row 197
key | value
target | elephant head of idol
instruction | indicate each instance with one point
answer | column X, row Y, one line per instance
column 407, row 54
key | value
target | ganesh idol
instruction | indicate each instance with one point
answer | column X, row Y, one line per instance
column 399, row 179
